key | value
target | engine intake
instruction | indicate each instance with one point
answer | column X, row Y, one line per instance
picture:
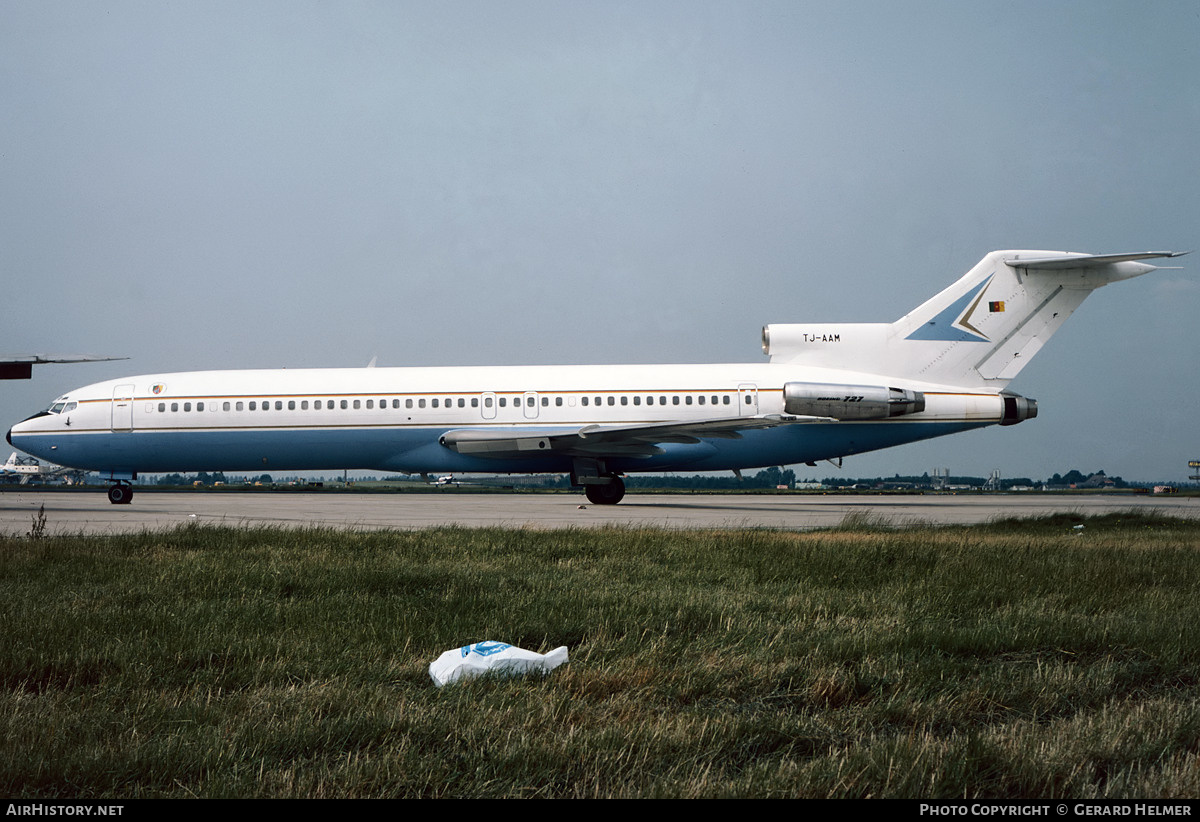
column 850, row 402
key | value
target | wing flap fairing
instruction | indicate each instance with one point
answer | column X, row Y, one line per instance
column 638, row 440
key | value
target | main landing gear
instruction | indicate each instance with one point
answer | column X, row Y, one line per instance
column 120, row 493
column 608, row 494
column 603, row 487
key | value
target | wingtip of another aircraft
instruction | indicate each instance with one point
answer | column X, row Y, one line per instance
column 37, row 359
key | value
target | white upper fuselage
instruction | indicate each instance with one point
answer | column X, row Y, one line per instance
column 432, row 396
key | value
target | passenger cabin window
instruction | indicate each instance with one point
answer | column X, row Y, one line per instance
column 162, row 406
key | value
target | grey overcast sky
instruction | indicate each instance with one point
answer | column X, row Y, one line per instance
column 202, row 185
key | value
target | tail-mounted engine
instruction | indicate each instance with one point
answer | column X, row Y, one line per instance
column 850, row 402
column 1017, row 408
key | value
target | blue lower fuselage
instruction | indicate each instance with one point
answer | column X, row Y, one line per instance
column 414, row 450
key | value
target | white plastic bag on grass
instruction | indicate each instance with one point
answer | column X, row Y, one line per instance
column 492, row 657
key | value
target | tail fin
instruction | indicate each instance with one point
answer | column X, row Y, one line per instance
column 978, row 333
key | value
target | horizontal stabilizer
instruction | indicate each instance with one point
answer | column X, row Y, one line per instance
column 1065, row 261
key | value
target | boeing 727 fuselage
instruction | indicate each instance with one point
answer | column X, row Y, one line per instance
column 828, row 390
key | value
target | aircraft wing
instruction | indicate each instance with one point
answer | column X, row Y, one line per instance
column 34, row 359
column 20, row 366
column 636, row 440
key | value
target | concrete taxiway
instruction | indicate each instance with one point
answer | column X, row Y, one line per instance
column 91, row 513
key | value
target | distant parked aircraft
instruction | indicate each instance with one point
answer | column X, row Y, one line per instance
column 28, row 468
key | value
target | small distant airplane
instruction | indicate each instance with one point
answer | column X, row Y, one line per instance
column 20, row 366
column 28, row 468
column 828, row 390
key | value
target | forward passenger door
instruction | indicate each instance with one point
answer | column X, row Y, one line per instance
column 122, row 408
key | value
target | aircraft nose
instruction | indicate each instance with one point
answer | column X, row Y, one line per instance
column 8, row 436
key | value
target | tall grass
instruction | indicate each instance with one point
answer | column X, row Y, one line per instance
column 1015, row 659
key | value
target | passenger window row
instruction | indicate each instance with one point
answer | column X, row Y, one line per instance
column 438, row 402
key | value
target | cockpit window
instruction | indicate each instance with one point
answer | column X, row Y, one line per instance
column 57, row 407
column 71, row 406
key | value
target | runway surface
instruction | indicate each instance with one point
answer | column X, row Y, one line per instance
column 91, row 513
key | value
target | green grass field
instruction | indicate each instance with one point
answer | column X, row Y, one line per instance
column 1015, row 659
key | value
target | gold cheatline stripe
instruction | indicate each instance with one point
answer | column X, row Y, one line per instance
column 397, row 394
column 473, row 424
column 392, row 394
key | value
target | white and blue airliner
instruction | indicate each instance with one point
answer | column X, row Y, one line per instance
column 828, row 390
